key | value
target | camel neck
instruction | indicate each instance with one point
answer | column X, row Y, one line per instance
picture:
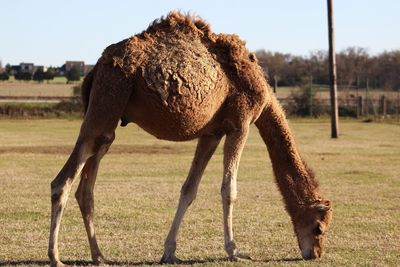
column 295, row 180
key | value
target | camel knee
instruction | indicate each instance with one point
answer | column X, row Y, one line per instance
column 228, row 193
column 80, row 191
column 83, row 194
column 85, row 203
column 58, row 192
column 93, row 145
column 83, row 197
column 79, row 197
column 103, row 142
column 188, row 192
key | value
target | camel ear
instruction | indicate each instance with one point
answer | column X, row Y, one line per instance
column 324, row 206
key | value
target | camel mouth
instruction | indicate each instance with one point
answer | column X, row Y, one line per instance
column 310, row 254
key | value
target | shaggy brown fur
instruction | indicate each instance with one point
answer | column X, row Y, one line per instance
column 179, row 81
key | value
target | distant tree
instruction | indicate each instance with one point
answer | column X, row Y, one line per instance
column 49, row 74
column 351, row 64
column 4, row 76
column 274, row 65
column 25, row 76
column 318, row 66
column 388, row 70
column 355, row 68
column 73, row 75
column 39, row 75
column 8, row 68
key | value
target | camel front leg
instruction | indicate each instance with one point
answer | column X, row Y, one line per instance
column 233, row 148
column 205, row 149
column 84, row 196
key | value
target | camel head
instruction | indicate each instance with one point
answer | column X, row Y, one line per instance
column 310, row 227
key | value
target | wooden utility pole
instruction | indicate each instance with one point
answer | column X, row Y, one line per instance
column 332, row 74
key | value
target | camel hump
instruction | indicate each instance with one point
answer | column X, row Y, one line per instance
column 177, row 21
column 181, row 59
column 181, row 67
column 128, row 54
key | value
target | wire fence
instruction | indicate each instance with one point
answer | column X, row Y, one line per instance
column 353, row 102
column 312, row 101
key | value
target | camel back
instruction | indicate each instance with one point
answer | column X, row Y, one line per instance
column 180, row 52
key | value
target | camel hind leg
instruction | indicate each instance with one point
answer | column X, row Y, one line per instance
column 85, row 150
column 109, row 96
column 84, row 196
column 60, row 188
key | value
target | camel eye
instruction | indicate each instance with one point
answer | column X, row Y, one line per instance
column 317, row 230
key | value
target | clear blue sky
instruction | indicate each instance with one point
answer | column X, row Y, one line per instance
column 48, row 32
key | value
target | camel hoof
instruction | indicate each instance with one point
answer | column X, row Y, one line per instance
column 101, row 261
column 58, row 264
column 240, row 257
column 169, row 259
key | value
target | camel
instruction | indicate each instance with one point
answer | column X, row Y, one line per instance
column 180, row 81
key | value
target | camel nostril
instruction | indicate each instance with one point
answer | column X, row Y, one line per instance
column 310, row 254
column 306, row 254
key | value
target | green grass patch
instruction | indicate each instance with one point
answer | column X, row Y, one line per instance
column 29, row 104
column 40, row 110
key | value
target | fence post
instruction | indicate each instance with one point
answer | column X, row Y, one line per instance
column 398, row 105
column 311, row 96
column 382, row 105
column 366, row 98
column 359, row 106
column 275, row 83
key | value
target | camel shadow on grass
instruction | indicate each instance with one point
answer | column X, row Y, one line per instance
column 130, row 263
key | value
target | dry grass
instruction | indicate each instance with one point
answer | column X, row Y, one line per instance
column 138, row 189
column 324, row 94
column 34, row 89
column 59, row 88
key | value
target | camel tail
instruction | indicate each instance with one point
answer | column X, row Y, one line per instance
column 86, row 88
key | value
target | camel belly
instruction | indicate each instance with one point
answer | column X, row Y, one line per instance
column 178, row 116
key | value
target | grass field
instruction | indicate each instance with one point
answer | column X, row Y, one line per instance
column 57, row 87
column 323, row 93
column 30, row 89
column 138, row 189
column 56, row 80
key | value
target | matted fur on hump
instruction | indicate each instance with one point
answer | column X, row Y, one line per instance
column 172, row 58
column 180, row 57
column 179, row 66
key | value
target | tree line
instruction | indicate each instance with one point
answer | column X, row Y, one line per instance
column 39, row 75
column 356, row 68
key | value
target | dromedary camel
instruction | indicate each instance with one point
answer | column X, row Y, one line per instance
column 179, row 81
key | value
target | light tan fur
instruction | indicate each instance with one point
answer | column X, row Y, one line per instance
column 180, row 81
